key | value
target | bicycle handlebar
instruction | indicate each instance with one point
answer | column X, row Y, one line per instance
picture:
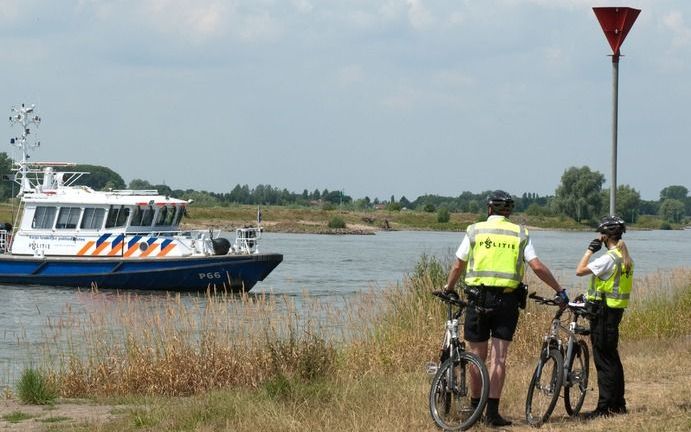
column 446, row 298
column 543, row 300
column 577, row 307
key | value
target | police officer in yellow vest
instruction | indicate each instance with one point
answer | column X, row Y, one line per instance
column 608, row 296
column 492, row 255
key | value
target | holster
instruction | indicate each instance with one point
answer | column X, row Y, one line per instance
column 477, row 296
column 522, row 295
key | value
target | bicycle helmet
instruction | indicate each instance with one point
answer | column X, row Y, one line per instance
column 612, row 226
column 500, row 202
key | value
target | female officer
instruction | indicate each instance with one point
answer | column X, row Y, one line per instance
column 608, row 296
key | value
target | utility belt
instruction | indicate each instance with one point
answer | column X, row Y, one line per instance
column 486, row 298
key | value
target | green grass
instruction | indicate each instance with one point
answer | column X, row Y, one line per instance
column 54, row 419
column 34, row 388
column 17, row 416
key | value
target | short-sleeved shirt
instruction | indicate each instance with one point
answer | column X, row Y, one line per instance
column 602, row 266
column 464, row 249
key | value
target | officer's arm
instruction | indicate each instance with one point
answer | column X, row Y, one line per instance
column 582, row 268
column 544, row 274
column 455, row 273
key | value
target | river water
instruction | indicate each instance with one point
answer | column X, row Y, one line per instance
column 332, row 268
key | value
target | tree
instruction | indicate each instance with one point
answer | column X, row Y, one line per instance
column 628, row 202
column 139, row 184
column 674, row 192
column 99, row 177
column 672, row 210
column 8, row 189
column 578, row 195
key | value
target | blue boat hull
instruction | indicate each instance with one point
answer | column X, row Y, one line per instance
column 229, row 272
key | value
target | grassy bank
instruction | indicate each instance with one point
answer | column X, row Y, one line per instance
column 295, row 219
column 252, row 363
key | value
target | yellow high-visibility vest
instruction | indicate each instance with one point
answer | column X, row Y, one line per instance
column 617, row 288
column 496, row 254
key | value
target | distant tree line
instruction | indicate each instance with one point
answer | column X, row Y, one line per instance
column 579, row 195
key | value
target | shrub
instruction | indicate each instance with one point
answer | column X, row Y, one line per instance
column 443, row 215
column 33, row 388
column 429, row 208
column 337, row 222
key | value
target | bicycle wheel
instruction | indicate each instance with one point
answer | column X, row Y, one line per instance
column 544, row 388
column 450, row 396
column 577, row 382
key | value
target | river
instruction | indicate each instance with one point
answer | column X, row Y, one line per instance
column 334, row 267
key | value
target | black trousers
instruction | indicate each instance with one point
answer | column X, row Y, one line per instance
column 610, row 373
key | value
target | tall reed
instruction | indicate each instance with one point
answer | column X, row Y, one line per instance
column 129, row 344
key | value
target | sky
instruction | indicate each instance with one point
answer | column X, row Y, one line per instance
column 372, row 97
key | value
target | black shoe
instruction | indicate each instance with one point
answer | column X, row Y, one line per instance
column 496, row 420
column 618, row 410
column 596, row 414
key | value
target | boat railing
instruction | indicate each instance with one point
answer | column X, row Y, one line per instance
column 4, row 240
column 247, row 240
column 134, row 191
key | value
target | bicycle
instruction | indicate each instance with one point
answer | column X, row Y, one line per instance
column 560, row 364
column 450, row 398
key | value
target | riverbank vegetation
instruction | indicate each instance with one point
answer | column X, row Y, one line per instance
column 250, row 363
column 579, row 200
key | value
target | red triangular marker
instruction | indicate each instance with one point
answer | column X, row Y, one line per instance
column 616, row 23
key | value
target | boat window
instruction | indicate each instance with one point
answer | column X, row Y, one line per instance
column 68, row 217
column 123, row 214
column 161, row 216
column 178, row 215
column 93, row 218
column 148, row 216
column 43, row 217
column 137, row 217
column 117, row 216
column 171, row 216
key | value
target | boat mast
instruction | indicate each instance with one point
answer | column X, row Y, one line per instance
column 25, row 117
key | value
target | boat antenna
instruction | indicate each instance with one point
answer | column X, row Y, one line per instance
column 24, row 116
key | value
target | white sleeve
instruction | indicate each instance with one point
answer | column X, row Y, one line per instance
column 464, row 249
column 529, row 252
column 602, row 267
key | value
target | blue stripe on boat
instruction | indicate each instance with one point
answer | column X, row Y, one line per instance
column 134, row 240
column 103, row 238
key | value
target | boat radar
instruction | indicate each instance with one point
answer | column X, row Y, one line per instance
column 25, row 117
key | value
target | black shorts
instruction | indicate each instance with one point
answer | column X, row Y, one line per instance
column 500, row 323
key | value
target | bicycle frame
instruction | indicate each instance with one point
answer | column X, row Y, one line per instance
column 554, row 340
column 451, row 344
column 561, row 350
column 452, row 405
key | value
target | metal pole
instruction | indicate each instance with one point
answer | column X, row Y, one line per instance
column 615, row 108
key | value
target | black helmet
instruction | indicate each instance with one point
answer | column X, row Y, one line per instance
column 612, row 226
column 500, row 201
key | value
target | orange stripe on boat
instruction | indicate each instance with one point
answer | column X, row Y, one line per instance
column 100, row 248
column 117, row 249
column 86, row 247
column 166, row 249
column 132, row 250
column 149, row 250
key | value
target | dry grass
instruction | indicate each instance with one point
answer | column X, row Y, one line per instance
column 261, row 363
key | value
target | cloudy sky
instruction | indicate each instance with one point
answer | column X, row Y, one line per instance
column 375, row 97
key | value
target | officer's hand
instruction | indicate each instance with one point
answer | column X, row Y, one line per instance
column 562, row 298
column 595, row 245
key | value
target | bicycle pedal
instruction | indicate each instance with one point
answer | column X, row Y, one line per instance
column 431, row 368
